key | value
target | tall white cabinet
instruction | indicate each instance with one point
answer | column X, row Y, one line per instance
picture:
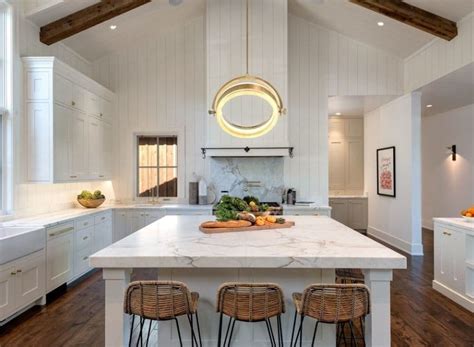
column 68, row 123
column 346, row 156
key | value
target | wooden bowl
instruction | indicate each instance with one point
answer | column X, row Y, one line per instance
column 93, row 203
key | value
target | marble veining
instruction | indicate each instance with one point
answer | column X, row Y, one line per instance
column 234, row 175
column 315, row 242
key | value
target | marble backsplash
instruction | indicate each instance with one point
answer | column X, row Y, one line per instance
column 239, row 176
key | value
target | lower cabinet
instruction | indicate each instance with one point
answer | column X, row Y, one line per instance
column 22, row 282
column 453, row 263
column 352, row 212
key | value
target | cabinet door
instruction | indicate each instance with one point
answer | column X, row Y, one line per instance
column 340, row 210
column 355, row 164
column 137, row 220
column 441, row 255
column 357, row 218
column 62, row 90
column 59, row 261
column 102, row 236
column 30, row 280
column 337, row 169
column 62, row 127
column 107, row 151
column 457, row 244
column 79, row 146
column 336, row 129
column 121, row 227
column 92, row 104
column 95, row 147
column 7, row 292
column 153, row 216
column 106, row 110
column 79, row 98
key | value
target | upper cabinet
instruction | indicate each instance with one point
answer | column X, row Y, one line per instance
column 69, row 123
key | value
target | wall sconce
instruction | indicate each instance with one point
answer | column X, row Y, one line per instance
column 452, row 151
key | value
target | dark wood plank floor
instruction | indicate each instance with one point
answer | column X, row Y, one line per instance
column 420, row 315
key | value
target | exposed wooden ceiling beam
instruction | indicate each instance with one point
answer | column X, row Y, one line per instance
column 412, row 15
column 86, row 18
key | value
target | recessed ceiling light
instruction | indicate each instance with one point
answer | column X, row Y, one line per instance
column 429, row 106
column 338, row 113
column 380, row 24
column 113, row 27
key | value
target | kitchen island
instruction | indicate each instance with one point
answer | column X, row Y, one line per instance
column 294, row 258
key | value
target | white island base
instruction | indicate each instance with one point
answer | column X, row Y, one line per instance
column 206, row 282
column 293, row 258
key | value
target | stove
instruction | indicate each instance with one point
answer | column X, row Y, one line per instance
column 274, row 208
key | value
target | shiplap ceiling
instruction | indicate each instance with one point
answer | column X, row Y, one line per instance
column 361, row 24
column 339, row 15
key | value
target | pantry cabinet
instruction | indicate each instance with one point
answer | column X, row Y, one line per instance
column 69, row 123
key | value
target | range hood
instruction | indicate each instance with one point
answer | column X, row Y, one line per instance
column 232, row 152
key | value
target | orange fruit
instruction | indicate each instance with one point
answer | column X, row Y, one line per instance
column 468, row 214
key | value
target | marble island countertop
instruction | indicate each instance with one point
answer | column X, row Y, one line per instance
column 314, row 242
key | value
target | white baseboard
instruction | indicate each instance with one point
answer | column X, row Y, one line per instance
column 412, row 249
column 456, row 297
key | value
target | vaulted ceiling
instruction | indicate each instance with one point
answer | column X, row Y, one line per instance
column 339, row 15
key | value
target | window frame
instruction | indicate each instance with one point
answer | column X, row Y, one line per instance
column 179, row 167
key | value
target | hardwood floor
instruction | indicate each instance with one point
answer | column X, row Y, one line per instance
column 420, row 315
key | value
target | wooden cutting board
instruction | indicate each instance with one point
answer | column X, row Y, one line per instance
column 287, row 224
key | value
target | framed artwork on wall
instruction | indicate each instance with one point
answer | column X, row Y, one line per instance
column 386, row 179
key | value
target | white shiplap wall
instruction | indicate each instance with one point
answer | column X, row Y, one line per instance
column 37, row 198
column 160, row 85
column 159, row 88
column 322, row 63
column 226, row 59
column 440, row 57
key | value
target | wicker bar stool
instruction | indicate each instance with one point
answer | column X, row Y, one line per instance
column 250, row 302
column 349, row 276
column 330, row 304
column 161, row 301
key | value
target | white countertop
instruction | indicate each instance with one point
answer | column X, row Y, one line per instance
column 304, row 207
column 457, row 222
column 53, row 218
column 348, row 197
column 315, row 242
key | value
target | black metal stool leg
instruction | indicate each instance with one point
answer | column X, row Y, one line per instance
column 229, row 323
column 131, row 331
column 199, row 329
column 300, row 333
column 179, row 332
column 231, row 332
column 140, row 337
column 270, row 332
column 148, row 335
column 220, row 331
column 193, row 335
column 280, row 332
column 314, row 333
column 293, row 330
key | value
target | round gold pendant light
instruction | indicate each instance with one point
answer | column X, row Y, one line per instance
column 247, row 85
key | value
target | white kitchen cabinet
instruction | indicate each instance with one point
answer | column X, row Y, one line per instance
column 59, row 255
column 102, row 235
column 30, row 279
column 68, row 125
column 7, row 291
column 122, row 225
column 352, row 212
column 453, row 260
column 22, row 282
column 346, row 155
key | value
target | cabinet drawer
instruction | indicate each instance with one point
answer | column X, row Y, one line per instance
column 102, row 218
column 59, row 230
column 81, row 261
column 83, row 238
column 83, row 223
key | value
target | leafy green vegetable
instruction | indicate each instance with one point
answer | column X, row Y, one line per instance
column 229, row 207
column 87, row 195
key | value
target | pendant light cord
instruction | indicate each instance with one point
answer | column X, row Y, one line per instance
column 247, row 36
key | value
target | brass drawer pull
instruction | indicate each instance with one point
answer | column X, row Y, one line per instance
column 13, row 273
column 85, row 237
column 18, row 271
column 446, row 233
column 73, row 103
column 60, row 232
column 85, row 258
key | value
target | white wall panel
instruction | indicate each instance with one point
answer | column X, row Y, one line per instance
column 160, row 87
column 440, row 57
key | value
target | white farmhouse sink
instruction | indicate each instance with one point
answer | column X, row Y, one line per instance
column 16, row 242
